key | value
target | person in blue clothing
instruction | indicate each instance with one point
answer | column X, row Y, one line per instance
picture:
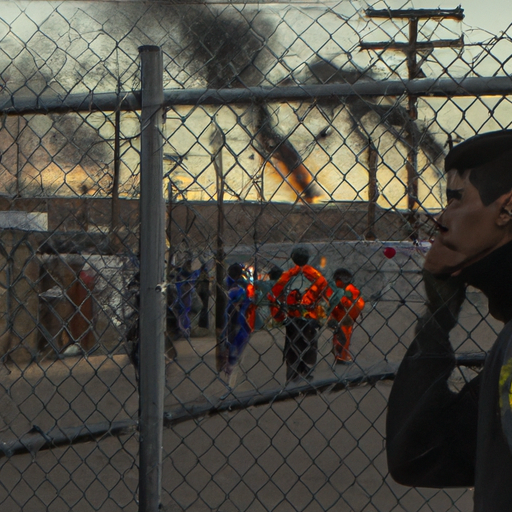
column 438, row 437
column 240, row 315
column 185, row 283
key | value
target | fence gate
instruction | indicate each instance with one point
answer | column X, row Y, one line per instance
column 160, row 164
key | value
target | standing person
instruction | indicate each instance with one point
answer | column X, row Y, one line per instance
column 240, row 315
column 437, row 437
column 300, row 311
column 343, row 316
column 263, row 287
column 203, row 292
column 185, row 284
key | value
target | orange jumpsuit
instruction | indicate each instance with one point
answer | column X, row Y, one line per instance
column 345, row 313
column 300, row 313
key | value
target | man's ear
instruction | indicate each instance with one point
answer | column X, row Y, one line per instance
column 505, row 215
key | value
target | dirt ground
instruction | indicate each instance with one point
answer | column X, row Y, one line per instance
column 310, row 452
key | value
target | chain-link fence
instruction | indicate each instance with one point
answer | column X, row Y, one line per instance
column 321, row 125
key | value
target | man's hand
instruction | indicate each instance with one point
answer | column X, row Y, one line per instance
column 445, row 296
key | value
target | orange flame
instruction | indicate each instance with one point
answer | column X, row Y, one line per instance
column 280, row 153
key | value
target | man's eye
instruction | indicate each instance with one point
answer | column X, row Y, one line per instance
column 453, row 194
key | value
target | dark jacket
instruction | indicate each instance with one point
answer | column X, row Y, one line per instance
column 437, row 437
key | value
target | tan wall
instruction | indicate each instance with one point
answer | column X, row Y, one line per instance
column 197, row 220
column 19, row 303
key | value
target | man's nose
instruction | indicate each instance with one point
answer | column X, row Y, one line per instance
column 438, row 220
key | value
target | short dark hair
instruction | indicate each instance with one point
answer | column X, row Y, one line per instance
column 275, row 273
column 342, row 274
column 300, row 256
column 489, row 158
column 235, row 271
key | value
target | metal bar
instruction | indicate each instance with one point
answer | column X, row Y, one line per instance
column 423, row 87
column 245, row 400
column 192, row 411
column 114, row 222
column 457, row 14
column 428, row 87
column 91, row 102
column 373, row 190
column 37, row 440
column 152, row 287
column 420, row 45
column 18, row 158
column 218, row 143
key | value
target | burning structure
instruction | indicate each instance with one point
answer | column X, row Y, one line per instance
column 284, row 151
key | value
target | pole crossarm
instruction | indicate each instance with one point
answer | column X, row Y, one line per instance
column 456, row 14
column 422, row 45
column 414, row 71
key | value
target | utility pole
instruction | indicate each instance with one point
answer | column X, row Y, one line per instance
column 411, row 49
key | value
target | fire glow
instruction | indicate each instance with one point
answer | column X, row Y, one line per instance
column 298, row 179
column 278, row 152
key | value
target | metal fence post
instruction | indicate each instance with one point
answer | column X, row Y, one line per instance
column 152, row 296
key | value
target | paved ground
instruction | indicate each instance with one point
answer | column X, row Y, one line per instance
column 312, row 452
column 308, row 452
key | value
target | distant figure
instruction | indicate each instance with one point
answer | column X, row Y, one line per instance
column 263, row 287
column 185, row 283
column 300, row 312
column 203, row 292
column 343, row 316
column 240, row 315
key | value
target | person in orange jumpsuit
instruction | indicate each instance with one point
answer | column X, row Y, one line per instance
column 343, row 316
column 300, row 312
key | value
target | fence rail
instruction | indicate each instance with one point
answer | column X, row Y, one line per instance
column 130, row 101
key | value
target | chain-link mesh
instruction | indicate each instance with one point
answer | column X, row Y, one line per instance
column 319, row 124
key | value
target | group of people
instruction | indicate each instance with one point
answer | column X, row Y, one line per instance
column 301, row 299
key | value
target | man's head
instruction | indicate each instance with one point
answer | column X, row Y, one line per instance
column 342, row 277
column 275, row 273
column 478, row 216
column 300, row 256
column 235, row 271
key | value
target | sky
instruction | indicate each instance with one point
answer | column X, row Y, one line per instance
column 491, row 15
